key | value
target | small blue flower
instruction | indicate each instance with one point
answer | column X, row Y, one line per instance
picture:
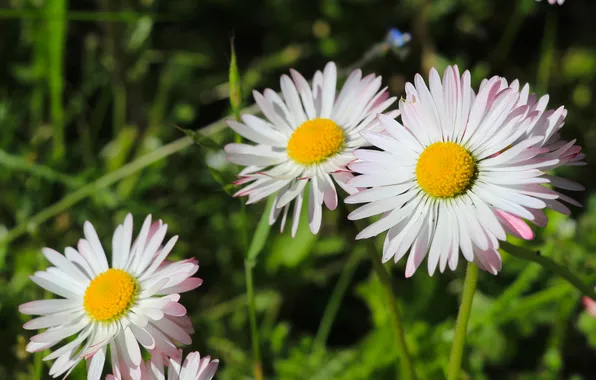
column 397, row 39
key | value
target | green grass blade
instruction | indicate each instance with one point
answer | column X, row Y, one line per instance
column 56, row 39
column 261, row 233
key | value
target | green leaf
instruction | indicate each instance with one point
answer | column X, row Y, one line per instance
column 261, row 234
column 221, row 179
column 547, row 263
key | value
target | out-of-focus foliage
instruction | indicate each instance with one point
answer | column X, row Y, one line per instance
column 127, row 73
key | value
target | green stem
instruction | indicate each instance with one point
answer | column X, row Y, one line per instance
column 252, row 309
column 461, row 327
column 406, row 369
column 17, row 163
column 38, row 365
column 256, row 246
column 335, row 300
column 548, row 52
column 407, row 366
column 56, row 40
column 501, row 53
column 87, row 190
column 549, row 264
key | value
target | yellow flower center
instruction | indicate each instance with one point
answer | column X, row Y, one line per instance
column 315, row 141
column 445, row 169
column 110, row 295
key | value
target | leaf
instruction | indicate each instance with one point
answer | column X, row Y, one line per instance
column 261, row 233
column 221, row 179
column 548, row 263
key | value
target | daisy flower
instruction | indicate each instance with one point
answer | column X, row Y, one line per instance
column 308, row 137
column 560, row 2
column 459, row 172
column 135, row 301
column 194, row 368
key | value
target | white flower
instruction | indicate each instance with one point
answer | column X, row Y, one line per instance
column 461, row 171
column 560, row 2
column 309, row 136
column 133, row 301
column 194, row 368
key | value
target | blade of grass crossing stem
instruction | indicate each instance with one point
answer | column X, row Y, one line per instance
column 56, row 36
column 549, row 264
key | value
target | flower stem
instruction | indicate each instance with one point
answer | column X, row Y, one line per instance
column 252, row 312
column 548, row 263
column 406, row 368
column 256, row 246
column 461, row 327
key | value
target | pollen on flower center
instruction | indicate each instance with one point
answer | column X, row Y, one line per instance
column 110, row 295
column 315, row 141
column 445, row 169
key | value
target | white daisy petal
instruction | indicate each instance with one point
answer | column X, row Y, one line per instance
column 314, row 206
column 79, row 261
column 93, row 240
column 96, row 365
column 296, row 214
column 65, row 265
column 267, row 108
column 305, row 94
column 292, row 99
column 44, row 307
column 262, row 136
column 45, row 281
column 328, row 95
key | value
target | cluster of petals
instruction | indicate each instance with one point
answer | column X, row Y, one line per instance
column 154, row 320
column 193, row 368
column 270, row 169
column 505, row 138
column 513, row 139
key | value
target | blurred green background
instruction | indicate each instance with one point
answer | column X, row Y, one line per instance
column 89, row 86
